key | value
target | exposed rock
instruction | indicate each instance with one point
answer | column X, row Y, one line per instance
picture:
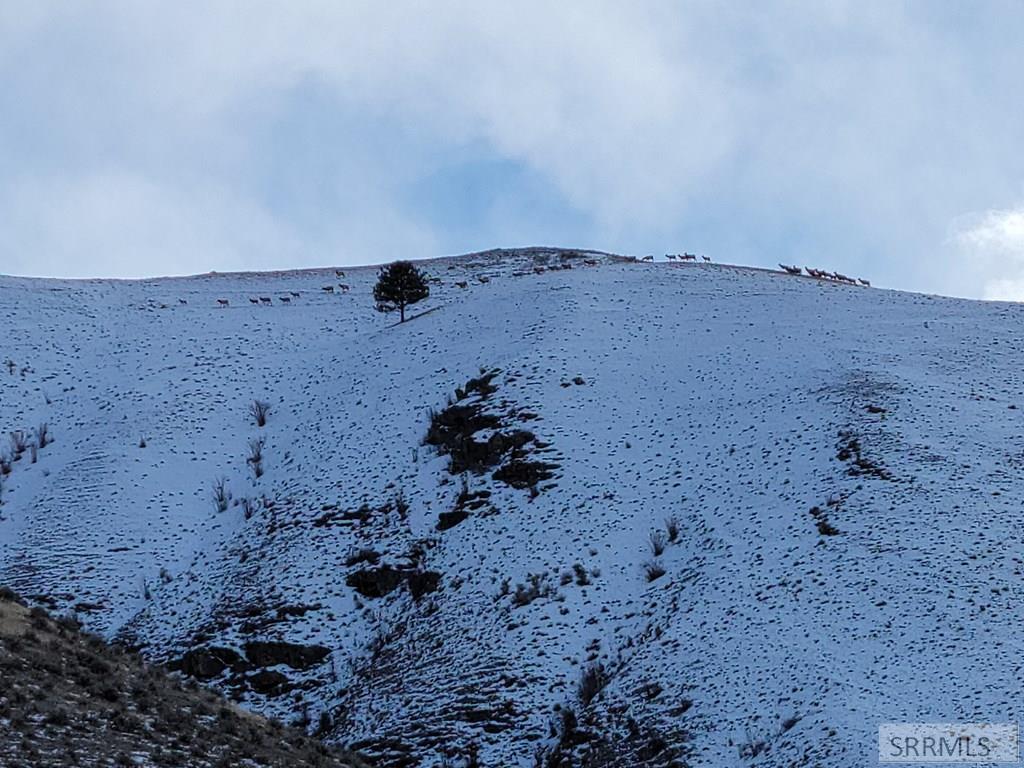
column 272, row 653
column 375, row 582
column 365, row 555
column 269, row 682
column 446, row 520
column 423, row 582
column 525, row 474
column 207, row 663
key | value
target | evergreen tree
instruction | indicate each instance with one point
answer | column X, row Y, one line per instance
column 398, row 285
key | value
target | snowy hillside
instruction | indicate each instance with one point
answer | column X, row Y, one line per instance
column 831, row 476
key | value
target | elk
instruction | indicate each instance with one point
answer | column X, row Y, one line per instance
column 223, row 302
column 863, row 282
column 461, row 283
column 266, row 300
column 670, row 256
column 484, row 279
column 295, row 294
column 284, row 299
column 182, row 301
column 790, row 270
column 688, row 257
column 706, row 258
column 647, row 258
column 338, row 273
column 343, row 287
column 539, row 270
column 590, row 262
column 328, row 289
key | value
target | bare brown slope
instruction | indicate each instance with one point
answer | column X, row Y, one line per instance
column 69, row 699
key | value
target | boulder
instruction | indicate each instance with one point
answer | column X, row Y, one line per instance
column 269, row 682
column 271, row 653
column 206, row 663
column 375, row 582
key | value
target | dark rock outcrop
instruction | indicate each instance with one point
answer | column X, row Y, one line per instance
column 447, row 520
column 269, row 682
column 375, row 582
column 271, row 653
column 207, row 663
column 423, row 582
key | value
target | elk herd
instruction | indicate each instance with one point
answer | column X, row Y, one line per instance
column 259, row 300
column 265, row 300
column 821, row 274
column 462, row 284
column 681, row 257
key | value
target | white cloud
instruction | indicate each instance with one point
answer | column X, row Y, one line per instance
column 849, row 132
column 121, row 224
column 128, row 226
column 994, row 242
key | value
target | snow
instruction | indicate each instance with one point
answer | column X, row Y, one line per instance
column 710, row 393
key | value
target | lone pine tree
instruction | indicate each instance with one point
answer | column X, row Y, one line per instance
column 398, row 285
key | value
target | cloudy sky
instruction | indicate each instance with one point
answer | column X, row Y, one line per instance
column 883, row 140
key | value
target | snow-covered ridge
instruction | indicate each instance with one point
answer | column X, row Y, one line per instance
column 830, row 473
